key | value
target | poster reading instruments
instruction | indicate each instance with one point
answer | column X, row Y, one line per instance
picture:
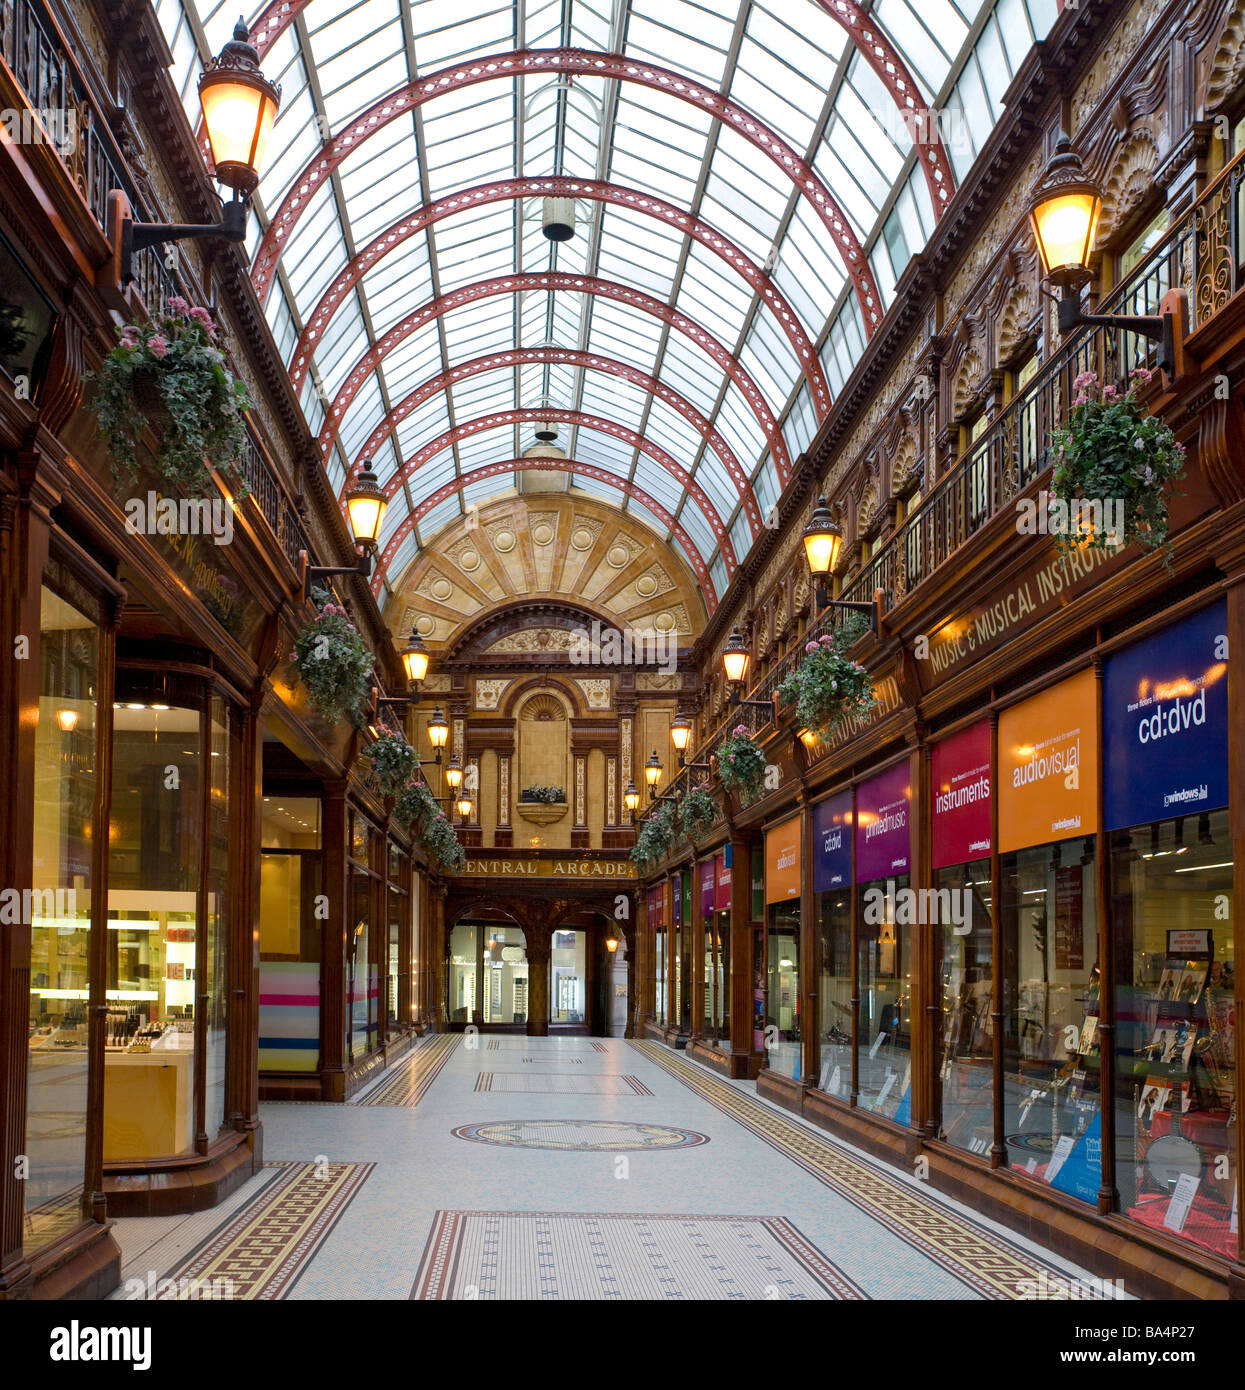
column 961, row 820
column 1165, row 722
column 1048, row 766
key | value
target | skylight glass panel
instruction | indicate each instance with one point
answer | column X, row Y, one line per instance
column 594, row 487
column 696, row 524
column 281, row 322
column 395, row 514
column 660, row 34
column 385, row 461
column 654, row 479
column 741, row 536
column 692, row 372
column 342, row 346
column 380, row 179
column 765, row 486
column 428, row 421
column 739, row 426
column 434, row 474
column 927, row 34
column 489, row 446
column 801, row 423
column 639, row 250
column 768, row 350
column 717, row 574
column 711, row 474
column 336, row 474
column 714, row 295
column 365, row 413
column 614, row 399
column 740, row 203
column 604, row 451
column 483, row 395
column 672, row 431
column 649, row 518
column 444, row 35
column 485, row 488
column 436, row 519
column 315, row 252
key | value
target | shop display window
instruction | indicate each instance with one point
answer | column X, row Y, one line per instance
column 505, row 975
column 659, row 998
column 834, row 926
column 290, row 934
column 1051, row 1043
column 965, row 990
column 65, row 757
column 460, row 983
column 782, row 1015
column 1175, row 1073
column 398, row 895
column 167, row 914
column 718, row 977
column 884, row 946
column 568, row 965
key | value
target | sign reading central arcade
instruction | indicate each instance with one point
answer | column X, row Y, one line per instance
column 548, row 868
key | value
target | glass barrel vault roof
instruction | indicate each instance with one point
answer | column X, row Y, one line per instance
column 750, row 178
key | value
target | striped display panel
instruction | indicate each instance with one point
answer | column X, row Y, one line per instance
column 289, row 1016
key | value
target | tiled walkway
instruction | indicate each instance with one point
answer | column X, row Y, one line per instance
column 572, row 1169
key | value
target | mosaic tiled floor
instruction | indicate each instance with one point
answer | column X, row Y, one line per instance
column 414, row 1074
column 526, row 1083
column 603, row 1170
column 488, row 1255
column 592, row 1136
column 988, row 1263
column 262, row 1252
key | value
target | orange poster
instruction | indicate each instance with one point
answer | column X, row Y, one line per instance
column 782, row 862
column 1048, row 766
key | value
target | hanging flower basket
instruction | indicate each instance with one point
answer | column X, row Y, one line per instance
column 741, row 765
column 169, row 373
column 827, row 686
column 656, row 837
column 698, row 812
column 415, row 806
column 1115, row 455
column 335, row 666
column 416, row 810
column 393, row 761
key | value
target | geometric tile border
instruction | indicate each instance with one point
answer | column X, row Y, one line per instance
column 977, row 1257
column 581, row 1136
column 262, row 1252
column 494, row 1255
column 525, row 1083
column 412, row 1078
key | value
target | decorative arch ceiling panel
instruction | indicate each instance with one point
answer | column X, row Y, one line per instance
column 751, row 179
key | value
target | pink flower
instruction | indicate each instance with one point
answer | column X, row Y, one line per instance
column 159, row 346
column 129, row 336
column 293, row 656
column 177, row 305
column 1083, row 380
column 826, row 640
column 205, row 321
column 810, row 647
column 1110, row 392
column 1141, row 374
column 1082, row 399
column 740, row 731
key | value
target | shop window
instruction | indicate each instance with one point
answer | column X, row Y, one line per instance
column 167, row 915
column 290, row 934
column 782, row 1016
column 65, row 757
column 659, row 998
column 460, row 982
column 504, row 978
column 966, row 992
column 1051, row 1046
column 884, row 943
column 398, row 895
column 1175, row 1073
column 834, row 925
column 568, row 965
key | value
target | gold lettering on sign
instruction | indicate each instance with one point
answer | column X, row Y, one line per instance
column 555, row 868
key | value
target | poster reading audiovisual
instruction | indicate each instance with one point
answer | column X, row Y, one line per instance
column 1048, row 766
column 782, row 862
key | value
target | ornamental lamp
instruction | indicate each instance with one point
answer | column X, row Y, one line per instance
column 611, row 944
column 823, row 541
column 681, row 732
column 438, row 729
column 239, row 109
column 653, row 770
column 735, row 658
column 1064, row 208
column 631, row 799
column 415, row 658
column 465, row 806
column 366, row 505
column 454, row 774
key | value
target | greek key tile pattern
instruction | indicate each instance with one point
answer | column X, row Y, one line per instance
column 554, row 1083
column 262, row 1252
column 984, row 1261
column 494, row 1255
column 415, row 1074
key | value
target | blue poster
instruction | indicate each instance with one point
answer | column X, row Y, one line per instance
column 903, row 1116
column 1081, row 1174
column 832, row 843
column 1165, row 723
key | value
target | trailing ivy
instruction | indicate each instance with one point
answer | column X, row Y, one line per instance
column 657, row 835
column 697, row 812
column 393, row 760
column 334, row 664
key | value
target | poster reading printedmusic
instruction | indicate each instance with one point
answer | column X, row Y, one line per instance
column 1165, row 722
column 1048, row 766
column 883, row 836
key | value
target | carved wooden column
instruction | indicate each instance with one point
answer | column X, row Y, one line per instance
column 642, row 997
column 333, row 944
column 741, row 958
column 694, row 922
column 539, row 938
column 579, row 834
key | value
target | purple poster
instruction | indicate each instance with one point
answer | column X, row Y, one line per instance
column 722, row 894
column 882, row 840
column 832, row 843
column 1165, row 723
column 706, row 887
